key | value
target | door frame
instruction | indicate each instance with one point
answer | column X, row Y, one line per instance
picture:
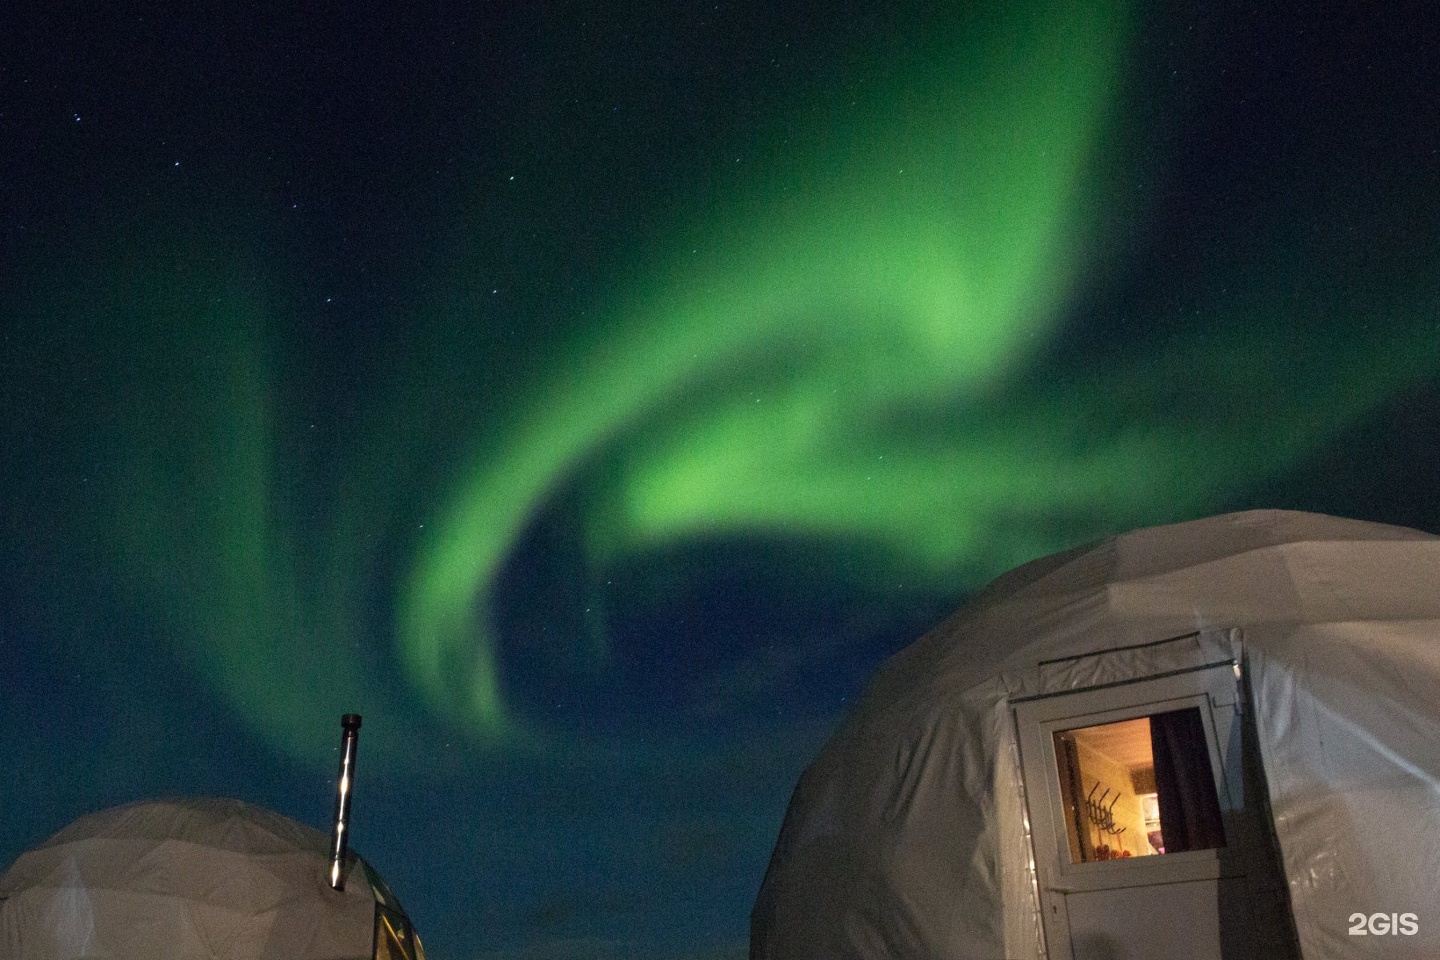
column 1214, row 688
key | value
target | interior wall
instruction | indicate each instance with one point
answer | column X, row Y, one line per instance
column 1127, row 810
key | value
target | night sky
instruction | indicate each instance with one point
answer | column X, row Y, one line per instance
column 592, row 395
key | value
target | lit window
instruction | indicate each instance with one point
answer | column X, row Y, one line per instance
column 1138, row 787
column 395, row 939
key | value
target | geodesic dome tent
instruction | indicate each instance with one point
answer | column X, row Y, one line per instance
column 195, row 879
column 1216, row 739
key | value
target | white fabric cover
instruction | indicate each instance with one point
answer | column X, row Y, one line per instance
column 192, row 879
column 907, row 836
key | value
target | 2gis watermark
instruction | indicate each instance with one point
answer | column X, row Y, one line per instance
column 1384, row 924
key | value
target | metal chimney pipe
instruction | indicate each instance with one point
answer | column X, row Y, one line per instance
column 340, row 836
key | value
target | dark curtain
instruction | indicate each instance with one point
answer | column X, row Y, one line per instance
column 1189, row 805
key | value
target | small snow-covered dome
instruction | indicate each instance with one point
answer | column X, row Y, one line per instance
column 195, row 879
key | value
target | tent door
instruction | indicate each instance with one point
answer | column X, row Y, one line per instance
column 1144, row 844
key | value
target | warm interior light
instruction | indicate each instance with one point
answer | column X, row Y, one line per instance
column 1115, row 804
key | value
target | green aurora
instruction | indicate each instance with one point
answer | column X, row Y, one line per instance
column 921, row 259
column 855, row 346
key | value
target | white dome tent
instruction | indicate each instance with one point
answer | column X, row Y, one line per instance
column 195, row 879
column 1030, row 779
